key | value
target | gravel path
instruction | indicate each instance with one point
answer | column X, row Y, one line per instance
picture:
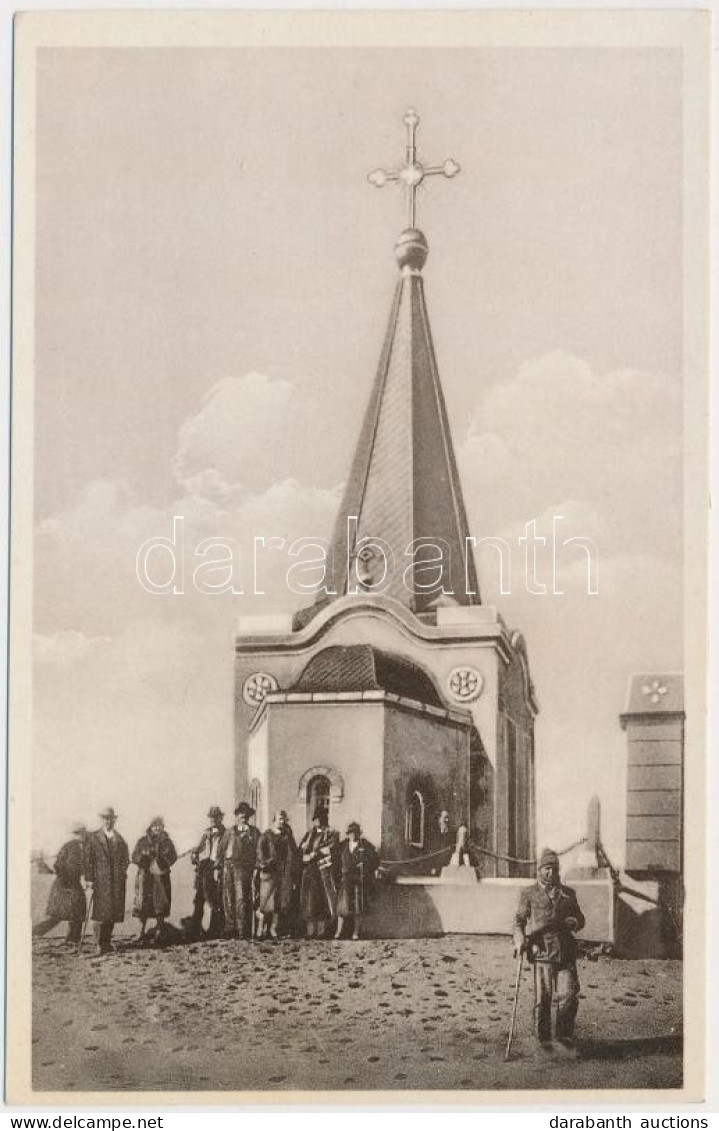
column 405, row 1014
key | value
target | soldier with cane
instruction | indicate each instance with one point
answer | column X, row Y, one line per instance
column 547, row 918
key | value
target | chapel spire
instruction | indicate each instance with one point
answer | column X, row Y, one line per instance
column 403, row 489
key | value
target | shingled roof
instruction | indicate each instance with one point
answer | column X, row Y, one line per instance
column 403, row 484
column 360, row 667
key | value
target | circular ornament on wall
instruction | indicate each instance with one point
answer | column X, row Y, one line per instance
column 465, row 684
column 257, row 686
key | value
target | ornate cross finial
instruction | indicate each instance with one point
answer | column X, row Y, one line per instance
column 412, row 173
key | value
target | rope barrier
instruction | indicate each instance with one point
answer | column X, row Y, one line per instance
column 416, row 859
column 433, row 855
column 519, row 859
column 477, row 848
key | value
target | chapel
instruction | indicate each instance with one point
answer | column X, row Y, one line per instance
column 396, row 694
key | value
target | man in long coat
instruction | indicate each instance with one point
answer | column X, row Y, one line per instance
column 547, row 917
column 66, row 901
column 107, row 861
column 154, row 855
column 278, row 866
column 238, row 854
column 208, row 877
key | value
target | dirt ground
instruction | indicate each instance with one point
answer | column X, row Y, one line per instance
column 405, row 1014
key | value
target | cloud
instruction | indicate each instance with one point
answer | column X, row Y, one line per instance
column 86, row 575
column 135, row 690
column 559, row 431
column 250, row 432
column 66, row 647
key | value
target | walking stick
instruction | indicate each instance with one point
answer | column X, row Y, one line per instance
column 87, row 920
column 255, row 906
column 514, row 1007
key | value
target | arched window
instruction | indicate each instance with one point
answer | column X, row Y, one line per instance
column 414, row 820
column 256, row 800
column 318, row 796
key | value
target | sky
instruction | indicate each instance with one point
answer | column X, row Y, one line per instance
column 214, row 276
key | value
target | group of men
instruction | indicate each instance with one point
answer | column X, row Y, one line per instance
column 252, row 884
column 101, row 859
column 267, row 885
column 264, row 885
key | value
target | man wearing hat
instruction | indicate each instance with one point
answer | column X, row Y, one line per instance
column 107, row 861
column 547, row 918
column 66, row 901
column 238, row 853
column 358, row 864
column 208, row 877
column 318, row 893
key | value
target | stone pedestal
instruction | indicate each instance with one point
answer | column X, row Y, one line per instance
column 458, row 874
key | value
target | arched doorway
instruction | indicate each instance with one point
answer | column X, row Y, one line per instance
column 320, row 787
column 318, row 796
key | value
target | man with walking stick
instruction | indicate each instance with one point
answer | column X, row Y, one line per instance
column 67, row 898
column 107, row 859
column 547, row 918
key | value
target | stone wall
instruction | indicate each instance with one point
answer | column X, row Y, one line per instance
column 419, row 908
column 345, row 737
column 430, row 755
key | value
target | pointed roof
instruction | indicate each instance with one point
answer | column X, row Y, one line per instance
column 403, row 487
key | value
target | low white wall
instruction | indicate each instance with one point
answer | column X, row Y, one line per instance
column 415, row 907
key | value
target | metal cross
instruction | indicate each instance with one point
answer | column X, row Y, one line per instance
column 412, row 173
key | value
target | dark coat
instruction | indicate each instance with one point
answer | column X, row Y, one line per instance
column 242, row 845
column 541, row 919
column 444, row 839
column 67, row 898
column 154, row 856
column 202, row 852
column 278, row 864
column 318, row 892
column 357, row 871
column 106, row 864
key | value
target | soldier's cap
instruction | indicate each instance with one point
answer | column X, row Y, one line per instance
column 78, row 829
column 549, row 856
column 215, row 811
column 320, row 814
column 244, row 808
column 157, row 821
column 281, row 815
column 108, row 812
column 353, row 827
